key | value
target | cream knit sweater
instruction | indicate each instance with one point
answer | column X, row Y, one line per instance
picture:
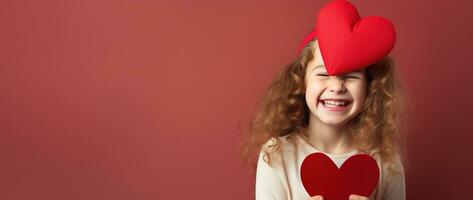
column 281, row 180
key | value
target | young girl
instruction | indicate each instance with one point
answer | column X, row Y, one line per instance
column 307, row 110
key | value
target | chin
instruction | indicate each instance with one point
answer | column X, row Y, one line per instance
column 335, row 122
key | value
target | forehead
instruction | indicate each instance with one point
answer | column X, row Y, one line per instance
column 317, row 61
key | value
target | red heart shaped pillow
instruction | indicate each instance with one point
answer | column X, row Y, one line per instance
column 348, row 42
column 359, row 175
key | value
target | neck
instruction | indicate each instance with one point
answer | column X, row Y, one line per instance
column 333, row 139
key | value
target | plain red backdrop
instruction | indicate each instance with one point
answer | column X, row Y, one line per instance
column 142, row 99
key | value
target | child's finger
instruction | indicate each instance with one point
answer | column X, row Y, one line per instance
column 357, row 197
column 317, row 197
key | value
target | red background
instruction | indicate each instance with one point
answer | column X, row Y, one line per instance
column 142, row 99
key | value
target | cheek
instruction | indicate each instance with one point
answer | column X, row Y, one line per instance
column 314, row 86
column 312, row 94
column 359, row 93
column 313, row 90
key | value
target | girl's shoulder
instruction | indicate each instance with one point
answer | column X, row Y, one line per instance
column 281, row 143
column 276, row 149
column 396, row 164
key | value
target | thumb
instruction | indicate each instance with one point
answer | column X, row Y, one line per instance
column 357, row 197
column 353, row 197
column 317, row 197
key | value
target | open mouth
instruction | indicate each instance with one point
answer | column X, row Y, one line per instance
column 335, row 103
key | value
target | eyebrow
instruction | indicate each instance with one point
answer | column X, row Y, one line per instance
column 317, row 66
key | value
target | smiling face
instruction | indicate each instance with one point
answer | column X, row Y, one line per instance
column 334, row 100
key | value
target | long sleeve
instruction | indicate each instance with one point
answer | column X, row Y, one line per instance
column 396, row 188
column 268, row 183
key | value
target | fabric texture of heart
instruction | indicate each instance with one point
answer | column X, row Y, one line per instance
column 359, row 175
column 348, row 42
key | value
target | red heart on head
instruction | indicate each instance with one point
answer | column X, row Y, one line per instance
column 349, row 43
column 359, row 175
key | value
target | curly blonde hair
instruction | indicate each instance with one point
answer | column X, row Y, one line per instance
column 283, row 111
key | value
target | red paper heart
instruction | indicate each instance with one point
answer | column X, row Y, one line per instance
column 347, row 42
column 359, row 175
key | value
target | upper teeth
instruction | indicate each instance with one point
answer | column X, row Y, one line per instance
column 334, row 103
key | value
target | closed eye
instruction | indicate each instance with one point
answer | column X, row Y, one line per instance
column 322, row 74
column 352, row 77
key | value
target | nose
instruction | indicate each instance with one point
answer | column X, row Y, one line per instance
column 336, row 84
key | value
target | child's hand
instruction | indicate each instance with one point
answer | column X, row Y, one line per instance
column 357, row 197
column 317, row 197
column 352, row 197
